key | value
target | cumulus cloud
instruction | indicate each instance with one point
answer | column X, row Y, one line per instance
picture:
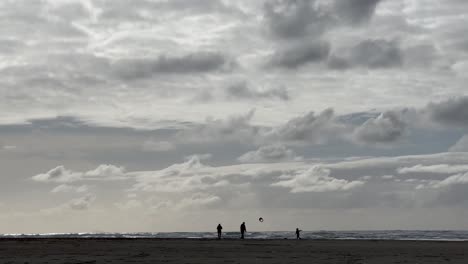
column 386, row 128
column 316, row 179
column 191, row 175
column 193, row 184
column 62, row 175
column 270, row 153
column 58, row 174
column 310, row 127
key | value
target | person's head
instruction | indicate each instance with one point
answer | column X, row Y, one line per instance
column 243, row 223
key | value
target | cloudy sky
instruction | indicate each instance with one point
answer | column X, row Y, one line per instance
column 177, row 115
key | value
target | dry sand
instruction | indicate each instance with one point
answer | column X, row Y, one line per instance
column 228, row 251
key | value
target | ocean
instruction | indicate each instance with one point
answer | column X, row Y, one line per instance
column 329, row 235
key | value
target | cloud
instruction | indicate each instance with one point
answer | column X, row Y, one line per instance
column 64, row 188
column 233, row 128
column 191, row 175
column 270, row 153
column 62, row 175
column 355, row 11
column 106, row 171
column 387, row 128
column 371, row 53
column 453, row 112
column 439, row 168
column 243, row 91
column 292, row 19
column 358, row 182
column 461, row 145
column 454, row 180
column 316, row 179
column 450, row 182
column 199, row 201
column 310, row 127
column 193, row 63
column 82, row 203
column 58, row 174
column 289, row 19
column 299, row 55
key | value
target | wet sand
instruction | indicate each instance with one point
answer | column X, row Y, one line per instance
column 228, row 251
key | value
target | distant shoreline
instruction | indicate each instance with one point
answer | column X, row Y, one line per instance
column 224, row 239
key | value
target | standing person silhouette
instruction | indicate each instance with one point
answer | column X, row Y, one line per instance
column 298, row 233
column 243, row 230
column 219, row 228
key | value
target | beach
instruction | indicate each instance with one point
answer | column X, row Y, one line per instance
column 94, row 250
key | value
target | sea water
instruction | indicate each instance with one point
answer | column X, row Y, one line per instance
column 329, row 235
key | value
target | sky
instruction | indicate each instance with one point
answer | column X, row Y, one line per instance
column 177, row 115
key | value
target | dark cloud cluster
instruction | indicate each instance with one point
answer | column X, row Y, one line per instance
column 451, row 112
column 188, row 64
column 299, row 55
column 304, row 23
column 370, row 54
column 289, row 19
column 356, row 11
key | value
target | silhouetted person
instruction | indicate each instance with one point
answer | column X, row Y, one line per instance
column 243, row 230
column 219, row 230
column 298, row 233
